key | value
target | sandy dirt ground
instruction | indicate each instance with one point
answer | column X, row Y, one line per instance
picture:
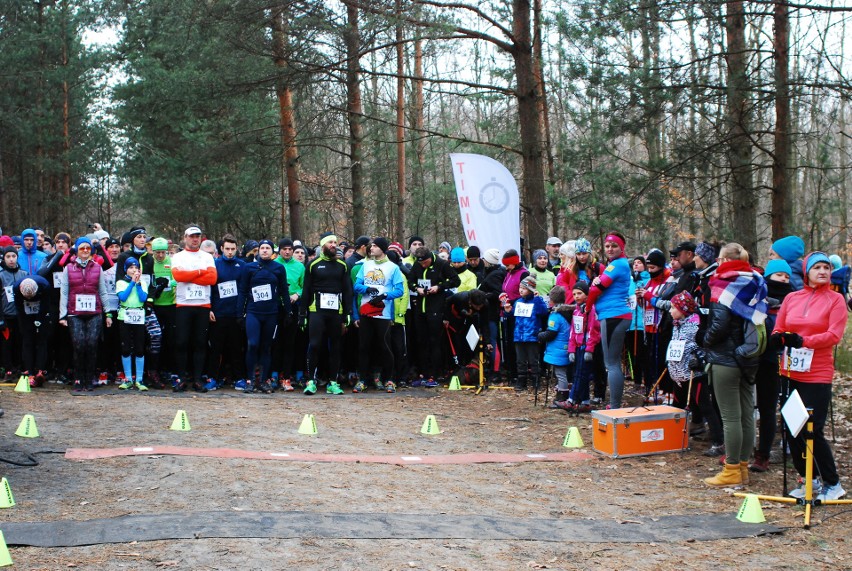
column 599, row 488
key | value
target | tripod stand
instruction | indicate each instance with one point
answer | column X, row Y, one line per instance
column 808, row 501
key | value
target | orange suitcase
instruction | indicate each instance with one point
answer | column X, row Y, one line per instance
column 639, row 431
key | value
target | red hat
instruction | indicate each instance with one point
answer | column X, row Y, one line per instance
column 6, row 241
column 684, row 302
column 397, row 247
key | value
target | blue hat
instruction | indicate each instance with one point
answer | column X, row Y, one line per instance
column 539, row 254
column 815, row 257
column 17, row 240
column 82, row 240
column 836, row 262
column 790, row 248
column 457, row 255
column 131, row 261
column 267, row 242
column 583, row 246
column 776, row 266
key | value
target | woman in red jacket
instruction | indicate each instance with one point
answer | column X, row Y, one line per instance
column 810, row 323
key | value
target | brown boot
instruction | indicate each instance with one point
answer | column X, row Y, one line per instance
column 730, row 476
column 761, row 462
column 744, row 473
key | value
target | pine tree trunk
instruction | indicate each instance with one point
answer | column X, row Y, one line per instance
column 782, row 208
column 398, row 227
column 355, row 115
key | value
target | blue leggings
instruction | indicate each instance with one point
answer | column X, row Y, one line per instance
column 260, row 333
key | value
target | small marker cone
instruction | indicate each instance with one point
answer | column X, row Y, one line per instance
column 750, row 510
column 5, row 558
column 23, row 385
column 430, row 426
column 6, row 499
column 309, row 425
column 573, row 438
column 455, row 385
column 27, row 428
column 181, row 422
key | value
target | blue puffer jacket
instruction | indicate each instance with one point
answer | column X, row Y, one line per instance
column 556, row 350
column 227, row 270
column 30, row 259
column 528, row 327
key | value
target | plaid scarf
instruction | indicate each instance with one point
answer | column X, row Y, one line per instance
column 742, row 290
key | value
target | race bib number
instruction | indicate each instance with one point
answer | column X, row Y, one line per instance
column 329, row 301
column 650, row 318
column 227, row 289
column 676, row 350
column 195, row 292
column 425, row 284
column 32, row 307
column 579, row 322
column 85, row 303
column 10, row 295
column 145, row 280
column 523, row 310
column 57, row 279
column 134, row 316
column 799, row 360
column 261, row 293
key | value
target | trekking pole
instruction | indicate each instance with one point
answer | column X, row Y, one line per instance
column 685, row 420
column 831, row 404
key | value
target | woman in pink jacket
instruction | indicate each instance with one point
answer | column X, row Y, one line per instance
column 810, row 323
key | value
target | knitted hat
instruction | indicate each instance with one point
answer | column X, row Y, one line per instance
column 114, row 242
column 641, row 259
column 61, row 236
column 776, row 266
column 790, row 248
column 126, row 239
column 684, row 302
column 836, row 262
column 473, row 252
column 101, row 234
column 17, row 240
column 6, row 241
column 656, row 258
column 492, row 256
column 581, row 285
column 396, row 247
column 582, row 246
column 130, row 261
column 285, row 243
column 136, row 230
column 539, row 254
column 160, row 244
column 706, row 252
column 267, row 242
column 815, row 257
column 457, row 255
column 569, row 248
column 382, row 243
column 28, row 288
column 81, row 241
column 446, row 246
column 414, row 239
column 529, row 282
column 362, row 241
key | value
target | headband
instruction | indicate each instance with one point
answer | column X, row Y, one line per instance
column 616, row 239
column 514, row 260
column 326, row 239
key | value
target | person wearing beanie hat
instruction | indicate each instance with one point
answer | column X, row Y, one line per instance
column 515, row 272
column 582, row 266
column 444, row 247
column 791, row 249
column 138, row 249
column 362, row 251
column 397, row 247
column 556, row 338
column 474, row 263
column 283, row 353
column 194, row 272
column 817, row 316
column 34, row 322
column 132, row 296
column 492, row 256
column 378, row 283
column 161, row 294
column 10, row 273
column 836, row 262
column 414, row 242
column 778, row 266
column 706, row 252
column 585, row 336
column 564, row 275
column 683, row 354
column 540, row 270
column 840, row 277
column 467, row 277
column 529, row 311
column 6, row 241
column 582, row 286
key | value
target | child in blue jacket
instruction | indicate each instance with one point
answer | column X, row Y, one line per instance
column 557, row 335
column 530, row 312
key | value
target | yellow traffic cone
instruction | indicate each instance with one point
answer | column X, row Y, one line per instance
column 750, row 510
column 6, row 499
column 309, row 425
column 23, row 385
column 181, row 422
column 5, row 558
column 430, row 426
column 573, row 438
column 455, row 385
column 27, row 428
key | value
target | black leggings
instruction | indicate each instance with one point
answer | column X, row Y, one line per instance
column 132, row 339
column 322, row 324
column 374, row 338
column 191, row 325
column 34, row 341
column 85, row 333
column 818, row 397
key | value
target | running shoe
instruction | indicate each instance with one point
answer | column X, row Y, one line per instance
column 310, row 388
column 240, row 385
column 378, row 384
column 799, row 493
column 834, row 492
column 333, row 388
column 141, row 387
column 178, row 384
column 265, row 387
column 211, row 384
column 359, row 387
column 285, row 384
column 390, row 387
column 430, row 382
column 78, row 385
column 418, row 382
column 126, row 385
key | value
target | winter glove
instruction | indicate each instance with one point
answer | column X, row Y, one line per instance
column 542, row 337
column 378, row 301
column 793, row 340
column 697, row 363
column 372, row 292
column 587, row 357
column 571, row 357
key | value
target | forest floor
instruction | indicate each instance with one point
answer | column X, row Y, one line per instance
column 591, row 487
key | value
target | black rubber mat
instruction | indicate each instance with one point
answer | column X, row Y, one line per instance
column 283, row 525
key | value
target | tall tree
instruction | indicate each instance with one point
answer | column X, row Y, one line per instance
column 782, row 207
column 352, row 39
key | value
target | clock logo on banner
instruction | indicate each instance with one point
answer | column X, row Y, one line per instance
column 494, row 197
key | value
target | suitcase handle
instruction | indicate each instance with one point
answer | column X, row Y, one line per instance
column 602, row 426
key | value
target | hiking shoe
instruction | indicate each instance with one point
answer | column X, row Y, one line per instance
column 265, row 387
column 141, row 387
column 248, row 387
column 211, row 385
column 198, row 387
column 390, row 387
column 834, row 492
column 333, row 388
column 430, row 382
column 596, row 401
column 715, row 450
column 310, row 388
column 178, row 384
column 286, row 386
column 760, row 464
column 378, row 384
column 359, row 387
column 799, row 493
column 583, row 408
column 126, row 385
